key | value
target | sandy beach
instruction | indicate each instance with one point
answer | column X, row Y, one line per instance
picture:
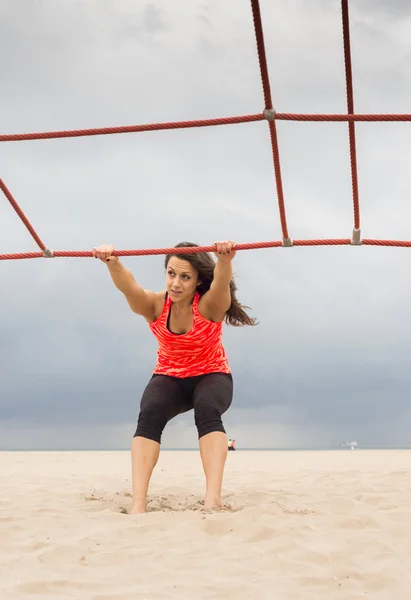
column 295, row 525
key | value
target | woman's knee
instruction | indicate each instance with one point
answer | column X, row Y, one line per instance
column 160, row 403
column 212, row 398
column 151, row 423
column 207, row 418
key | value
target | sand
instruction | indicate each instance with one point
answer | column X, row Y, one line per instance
column 296, row 525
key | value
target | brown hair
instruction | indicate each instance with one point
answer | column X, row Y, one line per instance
column 204, row 264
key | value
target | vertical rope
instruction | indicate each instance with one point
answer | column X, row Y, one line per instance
column 262, row 57
column 350, row 110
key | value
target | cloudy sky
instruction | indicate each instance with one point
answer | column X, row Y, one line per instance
column 329, row 360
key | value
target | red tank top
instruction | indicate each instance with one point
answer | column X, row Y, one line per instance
column 197, row 352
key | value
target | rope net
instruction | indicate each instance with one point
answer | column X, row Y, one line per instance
column 270, row 115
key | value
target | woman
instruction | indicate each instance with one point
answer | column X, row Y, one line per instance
column 192, row 370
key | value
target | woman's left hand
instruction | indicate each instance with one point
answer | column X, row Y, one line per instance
column 225, row 251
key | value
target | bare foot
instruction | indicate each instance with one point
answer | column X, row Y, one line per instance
column 137, row 509
column 210, row 503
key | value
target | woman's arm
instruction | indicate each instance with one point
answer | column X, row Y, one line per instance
column 141, row 301
column 217, row 300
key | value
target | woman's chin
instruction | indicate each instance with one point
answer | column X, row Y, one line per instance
column 176, row 296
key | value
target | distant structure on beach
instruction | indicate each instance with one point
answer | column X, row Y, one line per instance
column 349, row 445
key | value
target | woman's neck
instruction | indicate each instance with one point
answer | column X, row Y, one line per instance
column 182, row 308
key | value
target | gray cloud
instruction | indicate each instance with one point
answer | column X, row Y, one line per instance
column 328, row 360
column 397, row 9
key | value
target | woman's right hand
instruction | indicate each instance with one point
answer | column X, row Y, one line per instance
column 105, row 253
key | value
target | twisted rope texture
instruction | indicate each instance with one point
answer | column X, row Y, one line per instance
column 268, row 114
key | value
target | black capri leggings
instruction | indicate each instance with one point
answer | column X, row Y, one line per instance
column 165, row 397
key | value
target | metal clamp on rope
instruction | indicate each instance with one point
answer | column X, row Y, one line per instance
column 356, row 237
column 269, row 114
column 47, row 253
column 287, row 242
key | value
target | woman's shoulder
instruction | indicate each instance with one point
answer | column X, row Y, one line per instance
column 205, row 312
column 159, row 302
column 160, row 299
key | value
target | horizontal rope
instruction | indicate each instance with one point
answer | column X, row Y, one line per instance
column 196, row 249
column 142, row 252
column 341, row 117
column 19, row 137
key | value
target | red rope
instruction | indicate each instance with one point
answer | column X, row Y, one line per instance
column 21, row 214
column 268, row 114
column 146, row 252
column 350, row 110
column 341, row 117
column 19, row 137
column 194, row 250
column 262, row 57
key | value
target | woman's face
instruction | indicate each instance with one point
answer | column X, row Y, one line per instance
column 181, row 279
